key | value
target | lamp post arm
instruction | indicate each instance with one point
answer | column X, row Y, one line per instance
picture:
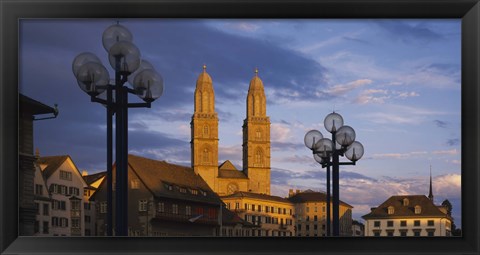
column 139, row 105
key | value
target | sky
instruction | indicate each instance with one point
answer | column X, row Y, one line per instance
column 396, row 82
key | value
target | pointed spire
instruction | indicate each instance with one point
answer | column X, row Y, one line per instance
column 430, row 194
column 204, row 68
column 256, row 71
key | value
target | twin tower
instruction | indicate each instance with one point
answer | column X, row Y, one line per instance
column 225, row 179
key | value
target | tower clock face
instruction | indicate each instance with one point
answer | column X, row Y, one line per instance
column 232, row 188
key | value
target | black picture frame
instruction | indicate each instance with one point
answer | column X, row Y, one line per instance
column 11, row 11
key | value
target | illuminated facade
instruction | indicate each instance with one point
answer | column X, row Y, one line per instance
column 225, row 179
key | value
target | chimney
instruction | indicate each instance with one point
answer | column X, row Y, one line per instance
column 84, row 173
column 290, row 193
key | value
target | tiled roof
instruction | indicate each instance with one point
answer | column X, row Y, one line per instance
column 231, row 218
column 157, row 175
column 52, row 162
column 242, row 194
column 312, row 196
column 428, row 209
column 91, row 178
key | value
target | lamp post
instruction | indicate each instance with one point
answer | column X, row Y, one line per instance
column 93, row 78
column 327, row 152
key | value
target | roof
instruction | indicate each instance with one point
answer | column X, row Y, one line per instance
column 228, row 170
column 243, row 194
column 91, row 178
column 255, row 83
column 204, row 80
column 52, row 162
column 158, row 175
column 231, row 218
column 312, row 196
column 428, row 209
column 36, row 107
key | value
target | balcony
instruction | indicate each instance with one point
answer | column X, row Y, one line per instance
column 186, row 218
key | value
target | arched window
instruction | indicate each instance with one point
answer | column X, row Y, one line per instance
column 205, row 131
column 259, row 157
column 206, row 155
column 258, row 134
column 391, row 210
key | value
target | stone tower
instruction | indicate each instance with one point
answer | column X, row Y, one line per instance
column 256, row 139
column 204, row 128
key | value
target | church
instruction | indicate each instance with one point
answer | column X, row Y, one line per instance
column 226, row 179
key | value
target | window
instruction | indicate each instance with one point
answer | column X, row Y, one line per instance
column 267, row 209
column 376, row 223
column 308, row 218
column 237, row 205
column 205, row 130
column 87, row 219
column 405, row 202
column 103, row 207
column 430, row 232
column 430, row 223
column 75, row 205
column 253, row 207
column 175, row 209
column 416, row 232
column 161, row 207
column 291, row 211
column 284, row 211
column 183, row 190
column 63, row 190
column 64, row 175
column 315, row 227
column 142, row 205
column 403, row 233
column 206, row 155
column 75, row 223
column 315, row 218
column 45, row 227
column 188, row 210
column 45, row 209
column 194, row 192
column 418, row 209
column 259, row 208
column 73, row 191
column 38, row 189
column 307, row 227
column 135, row 184
column 389, row 233
column 54, row 221
column 258, row 134
column 376, row 233
column 37, row 208
column 391, row 210
column 416, row 223
column 390, row 223
column 403, row 223
column 86, row 206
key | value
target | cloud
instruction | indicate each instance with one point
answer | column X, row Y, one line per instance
column 440, row 124
column 342, row 89
column 243, row 26
column 453, row 142
column 399, row 155
column 446, row 152
column 408, row 33
column 372, row 96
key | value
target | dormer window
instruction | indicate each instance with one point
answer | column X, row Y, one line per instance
column 418, row 209
column 405, row 202
column 391, row 210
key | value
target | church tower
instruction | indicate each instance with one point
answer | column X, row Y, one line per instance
column 256, row 139
column 430, row 193
column 204, row 128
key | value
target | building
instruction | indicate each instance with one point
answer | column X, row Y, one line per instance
column 234, row 226
column 43, row 203
column 164, row 200
column 270, row 215
column 358, row 228
column 93, row 181
column 29, row 108
column 226, row 179
column 409, row 215
column 66, row 185
column 310, row 214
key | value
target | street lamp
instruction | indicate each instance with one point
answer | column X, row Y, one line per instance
column 327, row 151
column 93, row 78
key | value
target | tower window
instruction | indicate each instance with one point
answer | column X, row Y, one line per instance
column 259, row 157
column 258, row 134
column 206, row 155
column 205, row 130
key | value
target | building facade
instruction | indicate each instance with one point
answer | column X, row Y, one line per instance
column 310, row 214
column 93, row 181
column 269, row 215
column 408, row 215
column 66, row 185
column 358, row 228
column 28, row 109
column 164, row 200
column 225, row 179
column 43, row 203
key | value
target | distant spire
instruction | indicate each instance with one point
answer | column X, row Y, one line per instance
column 430, row 194
column 256, row 71
column 204, row 68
